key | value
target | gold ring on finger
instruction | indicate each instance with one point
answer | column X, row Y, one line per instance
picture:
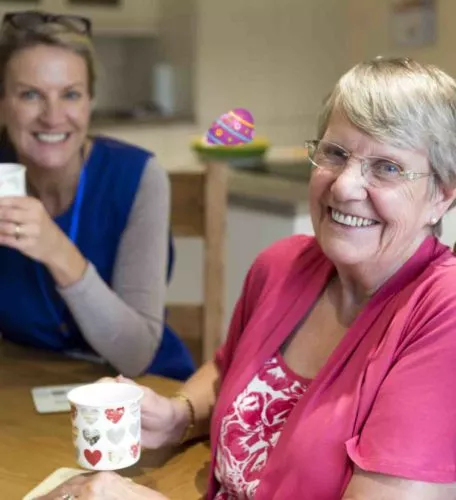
column 17, row 231
column 68, row 496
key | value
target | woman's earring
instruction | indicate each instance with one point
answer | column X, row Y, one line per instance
column 434, row 221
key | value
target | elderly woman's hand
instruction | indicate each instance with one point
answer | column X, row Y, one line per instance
column 101, row 486
column 163, row 420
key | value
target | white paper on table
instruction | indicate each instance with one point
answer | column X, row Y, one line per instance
column 55, row 479
column 52, row 481
column 52, row 398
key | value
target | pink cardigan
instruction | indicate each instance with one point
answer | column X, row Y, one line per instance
column 386, row 398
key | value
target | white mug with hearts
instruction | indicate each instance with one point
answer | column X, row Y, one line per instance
column 106, row 421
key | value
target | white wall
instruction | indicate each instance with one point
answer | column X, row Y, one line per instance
column 277, row 58
column 368, row 34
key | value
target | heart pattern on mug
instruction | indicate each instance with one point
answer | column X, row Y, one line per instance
column 134, row 450
column 93, row 457
column 135, row 409
column 90, row 415
column 134, row 429
column 75, row 432
column 114, row 415
column 116, row 456
column 92, row 436
column 116, row 435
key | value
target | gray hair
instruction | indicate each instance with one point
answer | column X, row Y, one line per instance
column 13, row 40
column 403, row 103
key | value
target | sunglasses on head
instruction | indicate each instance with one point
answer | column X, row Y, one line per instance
column 32, row 19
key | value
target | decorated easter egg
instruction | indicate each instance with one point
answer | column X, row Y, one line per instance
column 232, row 128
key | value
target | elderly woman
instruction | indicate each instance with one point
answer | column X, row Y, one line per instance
column 337, row 380
column 84, row 255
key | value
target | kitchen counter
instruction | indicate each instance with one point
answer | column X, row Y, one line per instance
column 259, row 190
column 279, row 188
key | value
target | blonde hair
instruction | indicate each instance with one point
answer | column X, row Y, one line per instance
column 13, row 40
column 403, row 103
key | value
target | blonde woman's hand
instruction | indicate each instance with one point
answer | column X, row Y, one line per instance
column 102, row 486
column 27, row 226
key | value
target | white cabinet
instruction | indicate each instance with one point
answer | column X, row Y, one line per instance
column 119, row 17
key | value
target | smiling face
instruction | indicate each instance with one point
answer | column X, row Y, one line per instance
column 46, row 105
column 377, row 228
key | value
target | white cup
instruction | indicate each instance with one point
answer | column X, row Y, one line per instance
column 12, row 179
column 106, row 419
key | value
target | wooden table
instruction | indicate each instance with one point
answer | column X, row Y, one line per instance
column 33, row 445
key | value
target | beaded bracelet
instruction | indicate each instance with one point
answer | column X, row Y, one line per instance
column 191, row 411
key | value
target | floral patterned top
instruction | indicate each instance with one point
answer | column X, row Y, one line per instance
column 252, row 427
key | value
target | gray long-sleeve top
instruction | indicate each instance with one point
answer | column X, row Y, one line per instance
column 124, row 324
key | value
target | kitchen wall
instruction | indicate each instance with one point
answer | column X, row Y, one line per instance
column 278, row 59
column 368, row 34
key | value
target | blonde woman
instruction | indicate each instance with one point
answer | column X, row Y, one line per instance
column 85, row 255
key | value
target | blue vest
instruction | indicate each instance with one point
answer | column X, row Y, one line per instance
column 31, row 311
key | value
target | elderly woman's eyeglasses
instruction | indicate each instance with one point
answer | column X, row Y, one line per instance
column 33, row 19
column 376, row 170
